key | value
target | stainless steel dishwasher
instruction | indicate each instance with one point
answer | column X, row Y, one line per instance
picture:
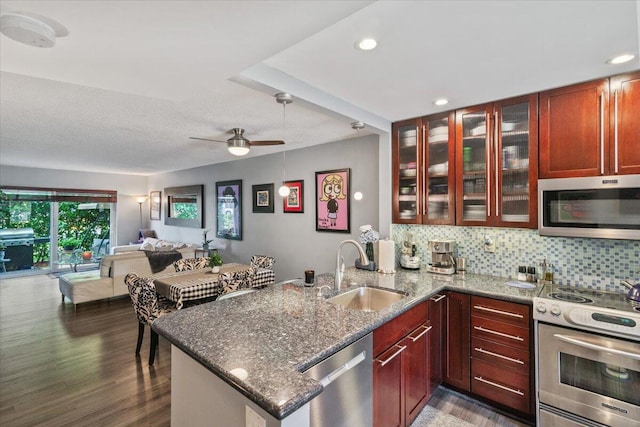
column 347, row 377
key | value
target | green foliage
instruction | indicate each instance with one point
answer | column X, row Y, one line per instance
column 70, row 243
column 81, row 225
column 215, row 259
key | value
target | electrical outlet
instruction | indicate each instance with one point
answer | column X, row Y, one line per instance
column 252, row 418
column 489, row 245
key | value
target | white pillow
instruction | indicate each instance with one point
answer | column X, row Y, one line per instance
column 163, row 245
column 179, row 245
column 149, row 244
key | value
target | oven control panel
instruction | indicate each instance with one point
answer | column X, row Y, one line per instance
column 616, row 322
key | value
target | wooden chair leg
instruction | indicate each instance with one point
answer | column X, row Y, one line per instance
column 154, row 345
column 140, row 336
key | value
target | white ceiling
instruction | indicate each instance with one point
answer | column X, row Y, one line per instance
column 134, row 79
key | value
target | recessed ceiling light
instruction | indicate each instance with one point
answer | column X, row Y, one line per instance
column 441, row 101
column 621, row 59
column 367, row 44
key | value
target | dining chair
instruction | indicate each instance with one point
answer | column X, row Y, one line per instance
column 237, row 280
column 262, row 261
column 148, row 307
column 187, row 264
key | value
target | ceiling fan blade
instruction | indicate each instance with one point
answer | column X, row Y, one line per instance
column 267, row 142
column 206, row 139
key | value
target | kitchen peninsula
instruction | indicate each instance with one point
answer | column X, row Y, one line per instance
column 252, row 351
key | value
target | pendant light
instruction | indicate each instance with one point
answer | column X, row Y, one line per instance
column 284, row 191
column 357, row 126
column 284, row 99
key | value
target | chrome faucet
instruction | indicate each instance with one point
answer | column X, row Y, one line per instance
column 364, row 260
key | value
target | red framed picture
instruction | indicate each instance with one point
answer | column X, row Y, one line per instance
column 294, row 202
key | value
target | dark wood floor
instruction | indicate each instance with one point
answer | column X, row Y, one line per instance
column 64, row 367
column 60, row 367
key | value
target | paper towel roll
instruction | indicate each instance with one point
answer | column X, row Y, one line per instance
column 386, row 256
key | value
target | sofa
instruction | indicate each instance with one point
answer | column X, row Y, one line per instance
column 108, row 280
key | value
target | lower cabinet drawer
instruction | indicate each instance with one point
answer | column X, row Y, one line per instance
column 514, row 336
column 506, row 356
column 504, row 386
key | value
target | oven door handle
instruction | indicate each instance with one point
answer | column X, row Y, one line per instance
column 596, row 347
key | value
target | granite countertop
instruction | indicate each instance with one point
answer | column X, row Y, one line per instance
column 268, row 338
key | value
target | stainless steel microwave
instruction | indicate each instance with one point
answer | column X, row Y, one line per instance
column 606, row 207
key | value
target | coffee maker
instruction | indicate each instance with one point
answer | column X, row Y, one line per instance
column 409, row 258
column 442, row 260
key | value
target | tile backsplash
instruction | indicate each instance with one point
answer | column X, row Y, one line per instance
column 591, row 263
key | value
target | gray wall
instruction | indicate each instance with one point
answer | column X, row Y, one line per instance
column 127, row 186
column 290, row 238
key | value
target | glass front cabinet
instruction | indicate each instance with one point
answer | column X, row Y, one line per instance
column 407, row 171
column 423, row 177
column 439, row 181
column 496, row 163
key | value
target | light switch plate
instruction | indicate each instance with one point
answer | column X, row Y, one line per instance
column 253, row 419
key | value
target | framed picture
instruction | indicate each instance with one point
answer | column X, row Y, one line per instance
column 229, row 209
column 332, row 200
column 155, row 204
column 294, row 202
column 262, row 198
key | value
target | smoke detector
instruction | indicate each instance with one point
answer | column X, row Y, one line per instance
column 31, row 29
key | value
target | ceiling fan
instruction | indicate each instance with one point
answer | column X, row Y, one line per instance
column 238, row 145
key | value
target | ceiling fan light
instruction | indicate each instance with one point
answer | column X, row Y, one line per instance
column 238, row 151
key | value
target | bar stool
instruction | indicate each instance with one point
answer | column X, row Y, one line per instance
column 3, row 261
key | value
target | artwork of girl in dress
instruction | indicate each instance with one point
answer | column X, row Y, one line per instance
column 332, row 201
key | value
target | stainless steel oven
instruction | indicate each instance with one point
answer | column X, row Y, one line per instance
column 588, row 358
column 591, row 375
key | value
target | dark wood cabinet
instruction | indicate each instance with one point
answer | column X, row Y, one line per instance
column 497, row 163
column 439, row 176
column 456, row 355
column 624, row 151
column 423, row 151
column 591, row 129
column 401, row 368
column 501, row 368
column 407, row 171
column 388, row 385
column 437, row 310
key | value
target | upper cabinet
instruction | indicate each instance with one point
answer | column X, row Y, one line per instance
column 439, row 158
column 591, row 129
column 496, row 158
column 423, row 177
column 407, row 171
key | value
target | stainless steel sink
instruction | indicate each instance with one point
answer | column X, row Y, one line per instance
column 367, row 299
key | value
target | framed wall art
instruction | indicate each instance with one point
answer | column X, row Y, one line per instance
column 155, row 204
column 229, row 209
column 294, row 202
column 332, row 200
column 262, row 198
column 185, row 206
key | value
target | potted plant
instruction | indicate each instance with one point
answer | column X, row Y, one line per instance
column 69, row 244
column 215, row 261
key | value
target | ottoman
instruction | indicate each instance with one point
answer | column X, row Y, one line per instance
column 85, row 286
